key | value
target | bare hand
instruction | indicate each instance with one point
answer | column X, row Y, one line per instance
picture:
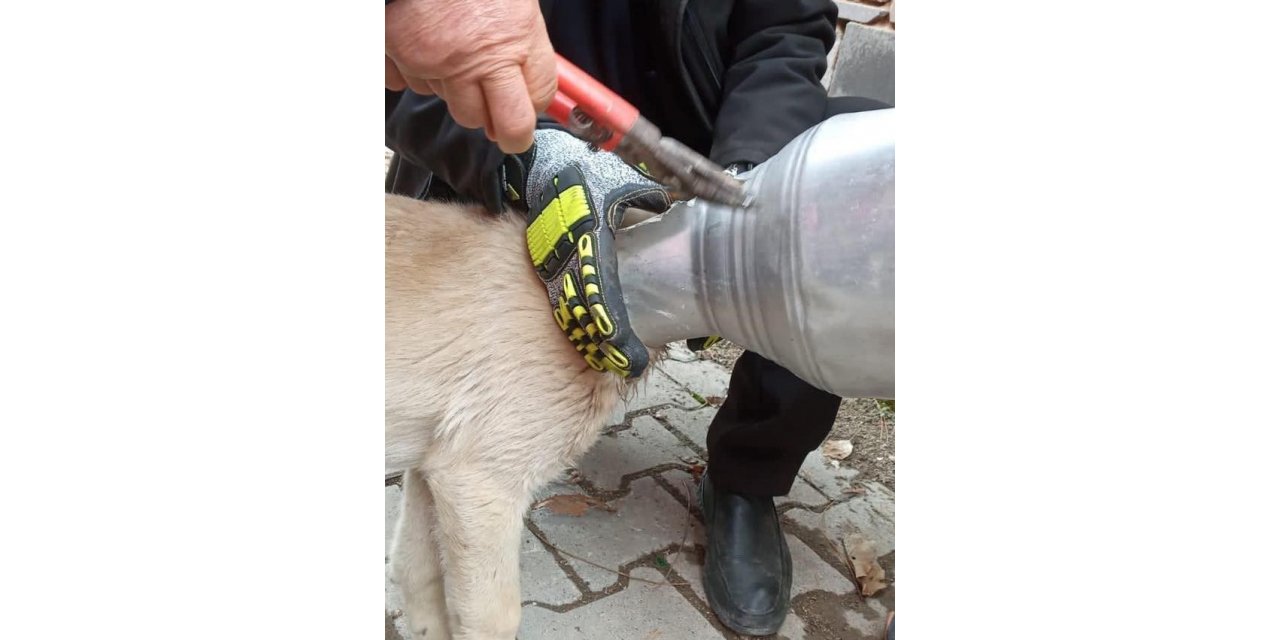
column 489, row 60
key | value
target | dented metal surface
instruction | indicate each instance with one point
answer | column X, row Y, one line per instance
column 804, row 276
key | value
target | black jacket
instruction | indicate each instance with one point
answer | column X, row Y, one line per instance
column 737, row 80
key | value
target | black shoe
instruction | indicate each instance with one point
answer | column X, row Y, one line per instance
column 747, row 573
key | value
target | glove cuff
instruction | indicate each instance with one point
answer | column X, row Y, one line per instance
column 513, row 177
column 513, row 173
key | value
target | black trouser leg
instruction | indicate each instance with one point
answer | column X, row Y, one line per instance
column 769, row 422
column 771, row 419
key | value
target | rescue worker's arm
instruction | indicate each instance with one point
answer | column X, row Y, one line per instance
column 420, row 129
column 772, row 87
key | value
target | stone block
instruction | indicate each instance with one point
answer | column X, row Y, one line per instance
column 830, row 481
column 685, row 487
column 659, row 389
column 856, row 12
column 557, row 486
column 865, row 64
column 639, row 612
column 868, row 618
column 704, row 377
column 644, row 521
column 692, row 423
column 541, row 578
column 645, row 445
column 871, row 516
column 812, row 573
column 803, row 493
column 792, row 628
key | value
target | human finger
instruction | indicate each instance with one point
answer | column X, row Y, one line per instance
column 466, row 102
column 419, row 86
column 540, row 71
column 511, row 115
column 395, row 81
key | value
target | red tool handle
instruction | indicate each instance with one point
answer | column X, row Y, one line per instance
column 605, row 107
column 561, row 106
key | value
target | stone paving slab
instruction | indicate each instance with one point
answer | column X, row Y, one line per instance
column 692, row 423
column 555, row 487
column 864, row 64
column 803, row 494
column 869, row 516
column 619, row 415
column 704, row 377
column 639, row 612
column 830, row 481
column 859, row 12
column 541, row 579
column 868, row 623
column 646, row 520
column 645, row 445
column 659, row 389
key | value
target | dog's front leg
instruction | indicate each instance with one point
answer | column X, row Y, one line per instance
column 416, row 562
column 479, row 525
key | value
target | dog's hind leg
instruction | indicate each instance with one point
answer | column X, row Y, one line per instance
column 416, row 562
column 480, row 520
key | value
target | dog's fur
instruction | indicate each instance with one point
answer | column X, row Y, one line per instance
column 486, row 401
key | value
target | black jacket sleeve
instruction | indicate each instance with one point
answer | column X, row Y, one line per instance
column 773, row 82
column 421, row 131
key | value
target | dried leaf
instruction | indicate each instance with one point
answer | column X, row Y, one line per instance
column 837, row 449
column 715, row 401
column 696, row 470
column 857, row 490
column 571, row 504
column 866, row 569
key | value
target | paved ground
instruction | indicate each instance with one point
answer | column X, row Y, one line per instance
column 642, row 467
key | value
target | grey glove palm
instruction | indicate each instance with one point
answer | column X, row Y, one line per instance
column 576, row 197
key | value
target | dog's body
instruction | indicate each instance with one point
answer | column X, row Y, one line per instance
column 486, row 400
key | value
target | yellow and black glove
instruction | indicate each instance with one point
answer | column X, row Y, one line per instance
column 575, row 197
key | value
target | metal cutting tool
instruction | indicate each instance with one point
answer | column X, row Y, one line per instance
column 601, row 117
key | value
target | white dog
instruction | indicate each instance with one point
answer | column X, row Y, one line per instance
column 486, row 401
